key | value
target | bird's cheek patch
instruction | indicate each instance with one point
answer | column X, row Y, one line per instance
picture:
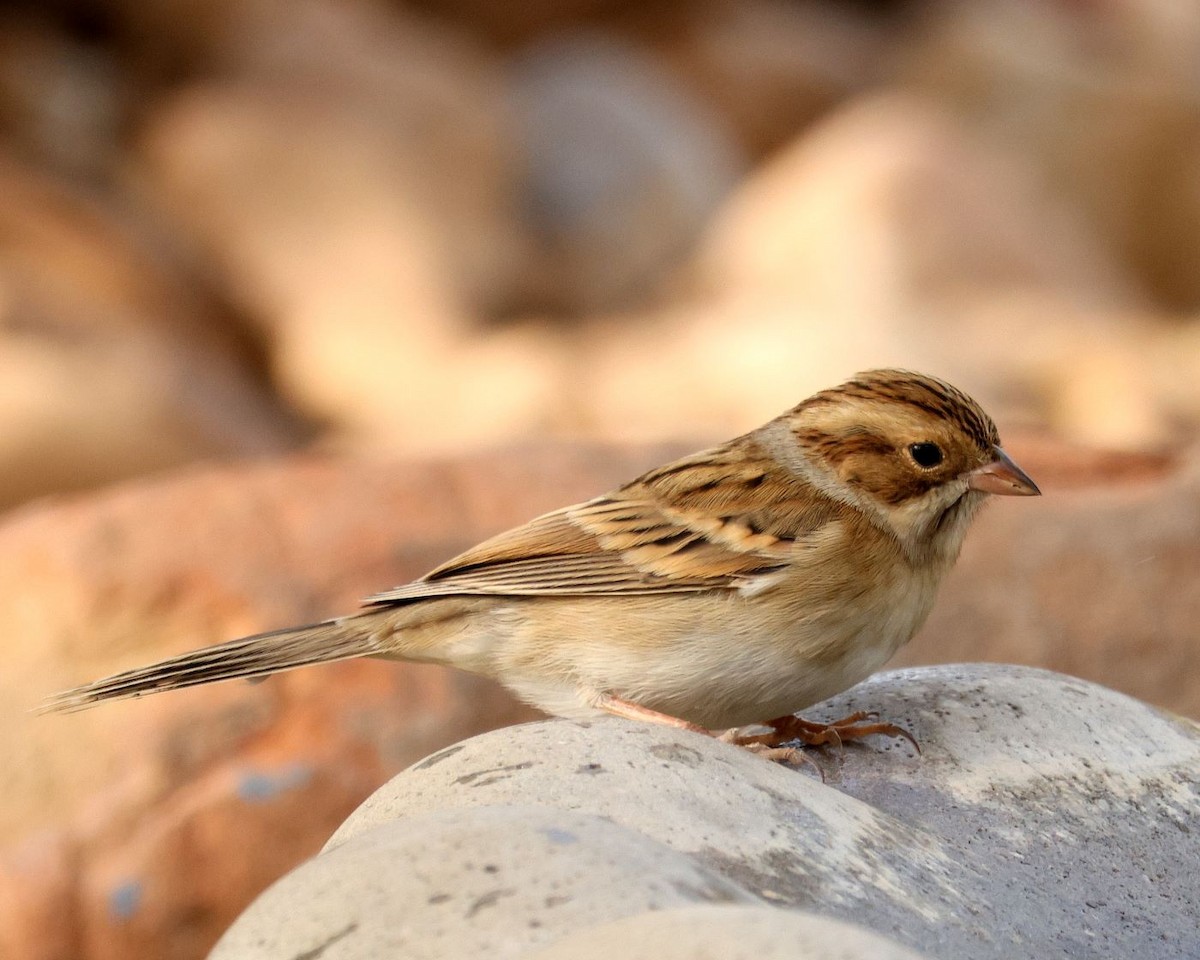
column 888, row 482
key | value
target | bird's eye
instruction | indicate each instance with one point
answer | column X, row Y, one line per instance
column 926, row 454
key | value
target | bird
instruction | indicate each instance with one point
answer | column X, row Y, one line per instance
column 736, row 586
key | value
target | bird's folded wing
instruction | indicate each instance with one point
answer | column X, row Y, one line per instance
column 673, row 531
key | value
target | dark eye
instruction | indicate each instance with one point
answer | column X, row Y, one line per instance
column 926, row 454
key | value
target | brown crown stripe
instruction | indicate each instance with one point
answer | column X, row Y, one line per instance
column 930, row 394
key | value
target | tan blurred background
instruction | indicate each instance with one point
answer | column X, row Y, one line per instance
column 298, row 297
column 237, row 227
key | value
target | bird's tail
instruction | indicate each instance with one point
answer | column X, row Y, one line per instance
column 256, row 656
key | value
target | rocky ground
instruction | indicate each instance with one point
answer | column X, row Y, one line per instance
column 1044, row 817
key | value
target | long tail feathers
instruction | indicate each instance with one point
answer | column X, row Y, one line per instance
column 256, row 656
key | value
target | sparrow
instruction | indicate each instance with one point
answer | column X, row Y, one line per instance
column 739, row 585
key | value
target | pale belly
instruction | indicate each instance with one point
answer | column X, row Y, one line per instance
column 719, row 662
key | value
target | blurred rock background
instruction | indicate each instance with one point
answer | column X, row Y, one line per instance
column 253, row 253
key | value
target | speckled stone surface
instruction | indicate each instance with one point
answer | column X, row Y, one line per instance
column 1046, row 817
column 487, row 882
column 724, row 933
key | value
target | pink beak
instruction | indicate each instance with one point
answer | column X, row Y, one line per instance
column 1002, row 477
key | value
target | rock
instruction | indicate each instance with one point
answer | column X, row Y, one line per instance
column 62, row 101
column 894, row 229
column 893, row 202
column 115, row 360
column 512, row 27
column 1102, row 98
column 165, row 41
column 728, row 932
column 445, row 885
column 352, row 172
column 624, row 165
column 124, row 829
column 1045, row 816
column 1102, row 103
column 767, row 67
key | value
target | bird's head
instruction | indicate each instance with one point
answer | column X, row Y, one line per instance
column 917, row 454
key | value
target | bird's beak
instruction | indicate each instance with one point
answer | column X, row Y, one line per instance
column 1002, row 477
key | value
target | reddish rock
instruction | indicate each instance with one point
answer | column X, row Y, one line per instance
column 143, row 828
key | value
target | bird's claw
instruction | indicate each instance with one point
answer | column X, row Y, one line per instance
column 812, row 733
column 789, row 755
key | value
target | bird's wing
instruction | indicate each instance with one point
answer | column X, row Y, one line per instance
column 718, row 520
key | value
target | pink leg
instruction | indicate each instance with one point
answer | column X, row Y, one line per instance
column 633, row 711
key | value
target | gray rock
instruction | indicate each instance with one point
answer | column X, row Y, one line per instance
column 1046, row 817
column 624, row 165
column 724, row 933
column 488, row 882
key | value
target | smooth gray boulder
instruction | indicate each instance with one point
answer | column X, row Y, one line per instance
column 1045, row 817
column 724, row 933
column 488, row 882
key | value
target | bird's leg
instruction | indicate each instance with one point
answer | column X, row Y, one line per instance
column 634, row 711
column 816, row 734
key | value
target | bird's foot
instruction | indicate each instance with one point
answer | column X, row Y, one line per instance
column 813, row 733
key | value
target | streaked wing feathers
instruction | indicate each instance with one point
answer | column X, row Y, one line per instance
column 713, row 521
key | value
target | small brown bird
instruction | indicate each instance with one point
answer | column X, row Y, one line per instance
column 733, row 586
